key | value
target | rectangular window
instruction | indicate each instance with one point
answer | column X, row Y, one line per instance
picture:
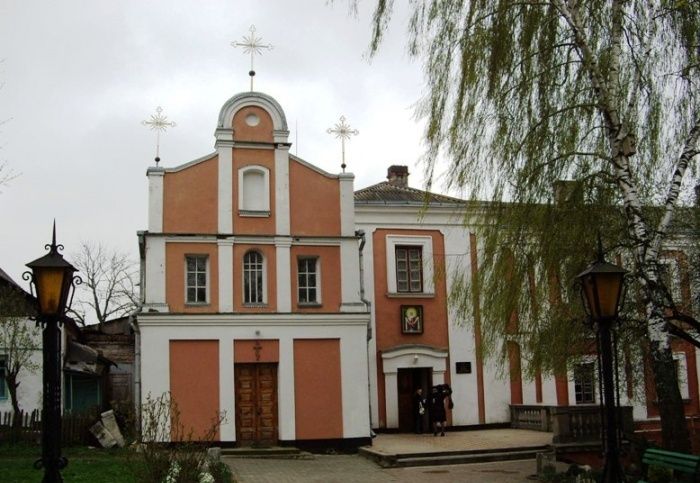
column 584, row 383
column 308, row 280
column 196, row 283
column 3, row 384
column 409, row 269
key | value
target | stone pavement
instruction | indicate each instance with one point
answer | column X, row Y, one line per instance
column 355, row 468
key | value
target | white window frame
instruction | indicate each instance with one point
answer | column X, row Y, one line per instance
column 594, row 381
column 264, row 279
column 426, row 245
column 682, row 374
column 317, row 267
column 242, row 209
column 4, row 393
column 207, row 273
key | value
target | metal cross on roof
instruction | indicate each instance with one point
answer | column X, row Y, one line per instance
column 158, row 123
column 342, row 130
column 252, row 45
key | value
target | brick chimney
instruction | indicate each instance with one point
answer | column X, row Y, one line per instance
column 398, row 175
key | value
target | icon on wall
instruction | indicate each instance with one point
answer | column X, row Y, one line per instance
column 412, row 319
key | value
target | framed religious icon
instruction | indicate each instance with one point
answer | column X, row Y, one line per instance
column 412, row 319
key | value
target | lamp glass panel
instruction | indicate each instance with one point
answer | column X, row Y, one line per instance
column 590, row 297
column 609, row 285
column 49, row 288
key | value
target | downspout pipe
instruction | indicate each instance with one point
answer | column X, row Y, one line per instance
column 361, row 235
column 137, row 365
column 133, row 322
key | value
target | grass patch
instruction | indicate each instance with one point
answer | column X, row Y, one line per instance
column 85, row 465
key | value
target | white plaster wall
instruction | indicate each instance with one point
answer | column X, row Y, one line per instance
column 465, row 394
column 157, row 331
column 29, row 392
column 549, row 390
column 155, row 271
column 496, row 393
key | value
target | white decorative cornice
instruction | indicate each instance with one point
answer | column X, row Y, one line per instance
column 244, row 99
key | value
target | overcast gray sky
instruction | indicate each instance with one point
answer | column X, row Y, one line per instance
column 80, row 76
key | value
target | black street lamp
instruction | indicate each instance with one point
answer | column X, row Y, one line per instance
column 51, row 279
column 601, row 290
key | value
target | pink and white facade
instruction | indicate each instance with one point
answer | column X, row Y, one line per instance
column 251, row 289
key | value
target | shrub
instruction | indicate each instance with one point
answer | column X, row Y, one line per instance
column 182, row 461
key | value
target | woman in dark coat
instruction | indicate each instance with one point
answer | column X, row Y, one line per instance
column 436, row 405
column 419, row 409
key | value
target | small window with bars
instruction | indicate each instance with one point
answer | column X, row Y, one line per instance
column 409, row 269
column 196, row 276
column 308, row 280
column 584, row 383
column 253, row 278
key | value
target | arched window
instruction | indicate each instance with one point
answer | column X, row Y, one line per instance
column 254, row 191
column 253, row 278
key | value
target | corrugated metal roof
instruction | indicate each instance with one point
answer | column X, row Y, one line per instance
column 386, row 192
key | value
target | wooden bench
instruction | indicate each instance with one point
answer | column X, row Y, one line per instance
column 687, row 464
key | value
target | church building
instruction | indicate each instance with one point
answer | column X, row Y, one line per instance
column 251, row 286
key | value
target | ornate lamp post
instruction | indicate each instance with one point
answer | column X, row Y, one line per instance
column 51, row 279
column 601, row 291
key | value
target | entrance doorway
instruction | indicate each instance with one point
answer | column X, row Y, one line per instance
column 256, row 404
column 409, row 380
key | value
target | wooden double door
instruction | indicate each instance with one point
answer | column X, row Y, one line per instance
column 256, row 404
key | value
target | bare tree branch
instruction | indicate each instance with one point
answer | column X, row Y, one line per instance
column 109, row 288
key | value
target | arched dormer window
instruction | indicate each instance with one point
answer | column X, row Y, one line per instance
column 254, row 191
column 254, row 290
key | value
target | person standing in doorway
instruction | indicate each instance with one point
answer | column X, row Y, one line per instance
column 419, row 404
column 436, row 405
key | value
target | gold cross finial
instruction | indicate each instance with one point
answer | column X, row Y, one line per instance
column 342, row 130
column 252, row 45
column 158, row 123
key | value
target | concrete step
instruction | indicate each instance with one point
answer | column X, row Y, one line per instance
column 273, row 452
column 450, row 457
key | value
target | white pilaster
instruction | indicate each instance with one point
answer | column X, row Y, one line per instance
column 155, row 274
column 284, row 274
column 355, row 395
column 282, row 189
column 155, row 199
column 391, row 399
column 347, row 204
column 225, row 187
column 225, row 275
column 156, row 380
column 285, row 390
column 226, row 389
column 350, row 276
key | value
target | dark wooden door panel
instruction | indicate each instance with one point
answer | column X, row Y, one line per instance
column 256, row 404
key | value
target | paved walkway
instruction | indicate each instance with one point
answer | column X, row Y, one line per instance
column 460, row 441
column 356, row 469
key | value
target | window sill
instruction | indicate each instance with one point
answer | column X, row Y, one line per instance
column 307, row 305
column 197, row 304
column 410, row 295
column 255, row 306
column 254, row 213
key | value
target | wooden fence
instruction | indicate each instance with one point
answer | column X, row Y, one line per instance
column 75, row 428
